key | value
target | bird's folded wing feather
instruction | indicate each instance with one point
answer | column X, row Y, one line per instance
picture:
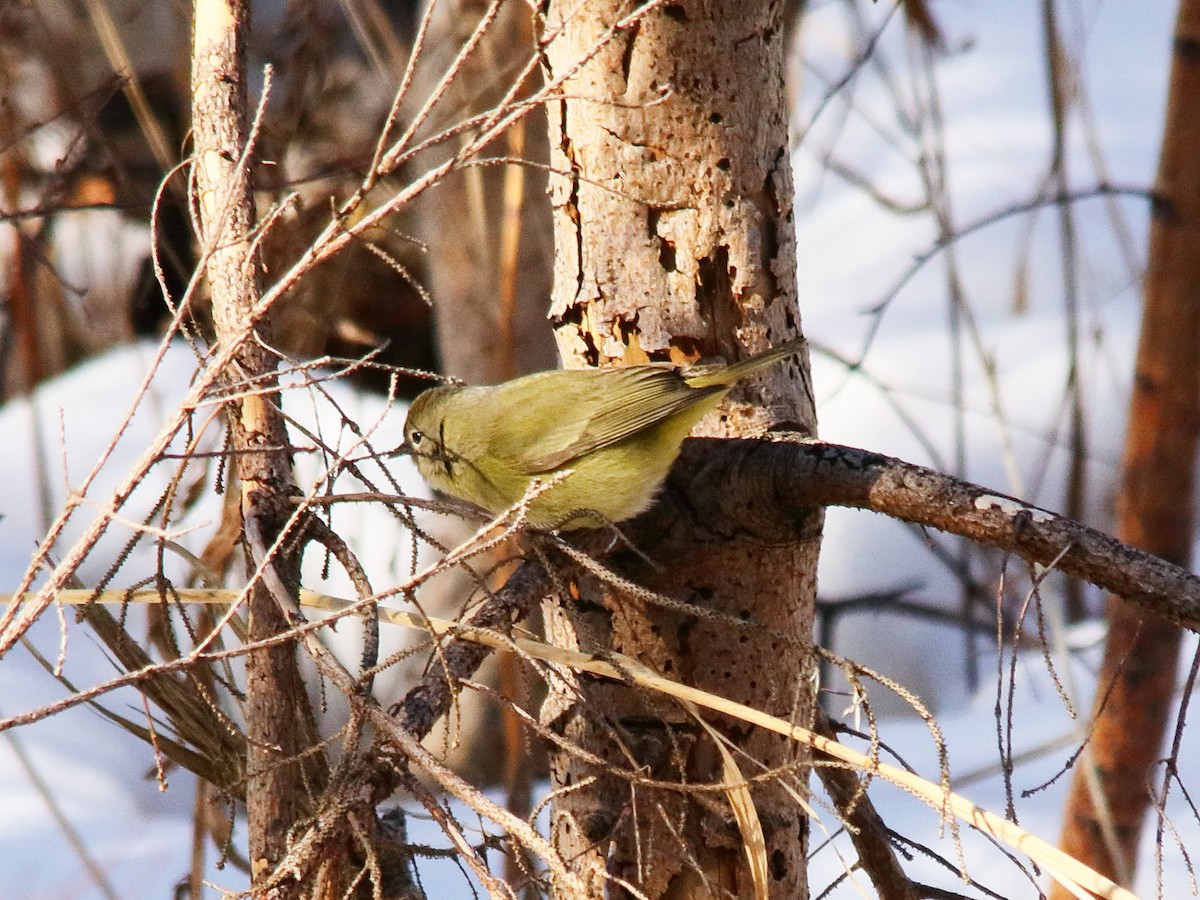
column 620, row 404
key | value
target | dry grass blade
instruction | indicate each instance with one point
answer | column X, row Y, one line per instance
column 741, row 801
column 1073, row 875
column 110, row 39
column 1065, row 870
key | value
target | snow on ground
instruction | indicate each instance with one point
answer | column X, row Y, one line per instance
column 103, row 776
column 850, row 257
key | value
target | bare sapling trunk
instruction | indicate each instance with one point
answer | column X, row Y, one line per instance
column 279, row 721
column 1111, row 793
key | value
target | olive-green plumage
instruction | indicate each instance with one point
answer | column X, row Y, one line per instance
column 615, row 431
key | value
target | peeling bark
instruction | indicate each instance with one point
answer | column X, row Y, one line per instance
column 674, row 241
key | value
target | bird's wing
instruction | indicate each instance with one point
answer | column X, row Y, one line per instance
column 615, row 405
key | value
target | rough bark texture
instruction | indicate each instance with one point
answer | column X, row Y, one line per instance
column 1110, row 795
column 792, row 478
column 278, row 719
column 674, row 241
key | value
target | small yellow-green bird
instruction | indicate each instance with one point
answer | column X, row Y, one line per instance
column 610, row 434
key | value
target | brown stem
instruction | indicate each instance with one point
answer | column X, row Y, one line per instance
column 772, row 487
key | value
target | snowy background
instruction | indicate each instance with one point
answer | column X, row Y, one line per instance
column 851, row 256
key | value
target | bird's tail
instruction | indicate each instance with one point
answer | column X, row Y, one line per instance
column 727, row 375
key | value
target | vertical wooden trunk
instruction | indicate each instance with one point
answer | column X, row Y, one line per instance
column 1110, row 795
column 487, row 230
column 674, row 240
column 279, row 721
column 486, row 227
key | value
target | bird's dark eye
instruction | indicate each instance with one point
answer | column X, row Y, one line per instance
column 415, row 438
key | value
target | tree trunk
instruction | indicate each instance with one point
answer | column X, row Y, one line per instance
column 279, row 721
column 674, row 241
column 486, row 227
column 1110, row 794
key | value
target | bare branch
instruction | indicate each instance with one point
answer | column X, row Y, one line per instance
column 774, row 486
